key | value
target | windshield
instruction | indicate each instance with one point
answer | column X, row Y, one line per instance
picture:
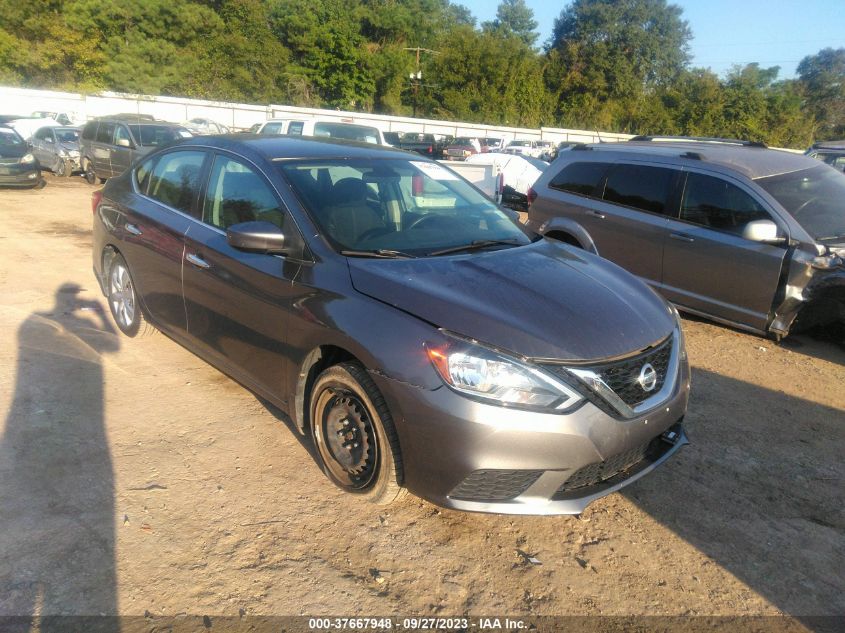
column 815, row 197
column 463, row 141
column 520, row 143
column 155, row 134
column 416, row 207
column 10, row 138
column 66, row 135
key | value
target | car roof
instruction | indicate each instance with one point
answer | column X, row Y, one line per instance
column 829, row 145
column 752, row 161
column 289, row 148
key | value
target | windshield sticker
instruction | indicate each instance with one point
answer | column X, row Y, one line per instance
column 435, row 171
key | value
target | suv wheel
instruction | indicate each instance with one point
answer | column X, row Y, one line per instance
column 90, row 175
column 354, row 434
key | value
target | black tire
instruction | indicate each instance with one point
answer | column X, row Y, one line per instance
column 354, row 434
column 90, row 175
column 123, row 301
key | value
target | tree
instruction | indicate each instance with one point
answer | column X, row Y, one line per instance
column 605, row 56
column 514, row 17
column 822, row 77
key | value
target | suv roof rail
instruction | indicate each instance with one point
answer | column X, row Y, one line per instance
column 700, row 139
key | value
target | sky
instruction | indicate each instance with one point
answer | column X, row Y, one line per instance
column 726, row 32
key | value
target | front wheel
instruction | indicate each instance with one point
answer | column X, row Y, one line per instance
column 123, row 300
column 354, row 434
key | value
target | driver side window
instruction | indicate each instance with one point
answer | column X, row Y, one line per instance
column 236, row 193
column 719, row 205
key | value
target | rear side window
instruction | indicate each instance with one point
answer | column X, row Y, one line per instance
column 237, row 194
column 717, row 204
column 350, row 132
column 272, row 128
column 175, row 179
column 580, row 178
column 105, row 133
column 295, row 128
column 89, row 131
column 154, row 135
column 640, row 186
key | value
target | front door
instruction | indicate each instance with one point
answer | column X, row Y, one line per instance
column 238, row 302
column 709, row 266
column 121, row 153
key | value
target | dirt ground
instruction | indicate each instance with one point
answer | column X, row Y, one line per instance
column 134, row 477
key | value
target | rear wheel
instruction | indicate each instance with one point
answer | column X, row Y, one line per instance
column 90, row 175
column 123, row 300
column 354, row 434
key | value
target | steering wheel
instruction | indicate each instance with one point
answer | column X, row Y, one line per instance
column 434, row 217
column 804, row 204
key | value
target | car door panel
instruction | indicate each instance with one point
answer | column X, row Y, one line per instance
column 237, row 305
column 709, row 267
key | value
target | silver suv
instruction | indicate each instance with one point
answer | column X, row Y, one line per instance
column 730, row 230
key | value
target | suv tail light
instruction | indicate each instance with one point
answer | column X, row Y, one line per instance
column 532, row 196
column 96, row 199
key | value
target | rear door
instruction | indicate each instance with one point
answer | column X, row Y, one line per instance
column 153, row 230
column 629, row 221
column 238, row 303
column 708, row 266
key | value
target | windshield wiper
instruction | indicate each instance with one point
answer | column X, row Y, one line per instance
column 382, row 253
column 473, row 246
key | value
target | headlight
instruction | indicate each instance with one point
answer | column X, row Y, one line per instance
column 682, row 344
column 29, row 158
column 494, row 377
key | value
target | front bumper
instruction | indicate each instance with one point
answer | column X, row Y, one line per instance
column 467, row 455
column 19, row 174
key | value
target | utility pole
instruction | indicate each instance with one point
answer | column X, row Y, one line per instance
column 416, row 76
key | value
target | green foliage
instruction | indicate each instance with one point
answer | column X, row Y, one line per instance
column 822, row 78
column 615, row 65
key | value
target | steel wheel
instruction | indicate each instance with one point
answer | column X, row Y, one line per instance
column 354, row 434
column 350, row 446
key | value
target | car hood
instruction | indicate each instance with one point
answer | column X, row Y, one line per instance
column 545, row 300
column 13, row 151
column 70, row 146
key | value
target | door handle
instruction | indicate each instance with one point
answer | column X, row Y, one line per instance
column 683, row 237
column 131, row 228
column 597, row 214
column 197, row 261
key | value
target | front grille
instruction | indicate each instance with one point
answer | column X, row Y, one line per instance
column 9, row 161
column 622, row 376
column 617, row 467
column 495, row 485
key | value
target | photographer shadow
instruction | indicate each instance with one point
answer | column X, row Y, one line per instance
column 56, row 479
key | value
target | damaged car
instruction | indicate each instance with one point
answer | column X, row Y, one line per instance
column 57, row 149
column 726, row 229
column 418, row 334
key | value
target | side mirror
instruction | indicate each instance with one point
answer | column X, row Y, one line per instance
column 124, row 142
column 49, row 139
column 764, row 231
column 257, row 237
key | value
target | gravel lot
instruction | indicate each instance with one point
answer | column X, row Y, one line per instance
column 134, row 477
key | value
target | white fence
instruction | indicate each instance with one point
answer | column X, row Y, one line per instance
column 24, row 101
